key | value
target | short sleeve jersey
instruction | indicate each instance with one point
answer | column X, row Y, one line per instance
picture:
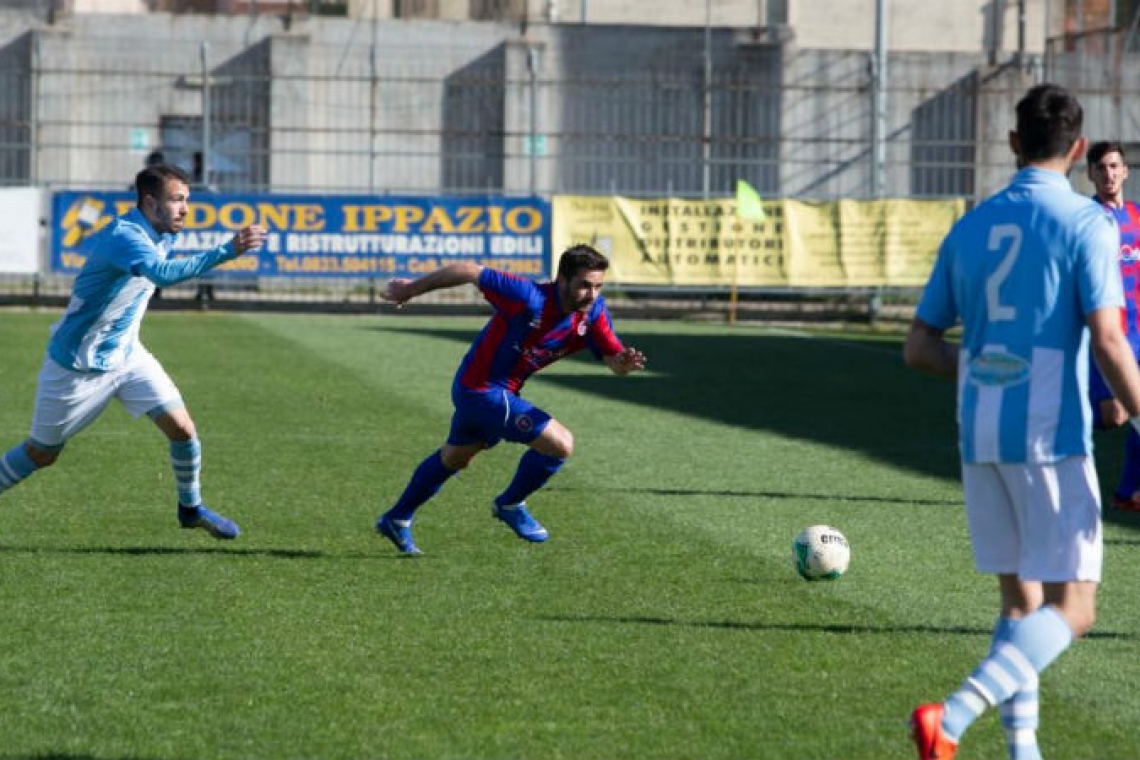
column 1021, row 272
column 529, row 331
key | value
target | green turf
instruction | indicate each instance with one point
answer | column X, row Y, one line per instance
column 662, row 620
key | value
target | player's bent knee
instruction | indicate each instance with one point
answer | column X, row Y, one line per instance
column 1082, row 623
column 560, row 445
column 41, row 457
column 176, row 424
column 456, row 459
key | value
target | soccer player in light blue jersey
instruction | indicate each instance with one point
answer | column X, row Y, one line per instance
column 94, row 354
column 1032, row 276
column 533, row 326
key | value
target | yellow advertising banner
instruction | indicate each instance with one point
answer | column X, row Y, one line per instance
column 792, row 244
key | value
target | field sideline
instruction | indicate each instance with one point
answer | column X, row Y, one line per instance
column 662, row 620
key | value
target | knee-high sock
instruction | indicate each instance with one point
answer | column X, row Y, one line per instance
column 15, row 465
column 1011, row 666
column 426, row 481
column 533, row 472
column 1020, row 713
column 186, row 459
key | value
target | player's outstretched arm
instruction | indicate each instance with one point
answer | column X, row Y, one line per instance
column 401, row 290
column 169, row 272
column 628, row 361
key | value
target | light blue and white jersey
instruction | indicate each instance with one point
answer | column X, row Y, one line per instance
column 1021, row 272
column 125, row 262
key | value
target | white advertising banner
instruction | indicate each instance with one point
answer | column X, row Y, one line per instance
column 20, row 230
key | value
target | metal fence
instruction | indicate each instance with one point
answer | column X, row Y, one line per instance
column 399, row 107
column 432, row 108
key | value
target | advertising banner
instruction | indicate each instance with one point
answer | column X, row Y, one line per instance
column 782, row 243
column 333, row 236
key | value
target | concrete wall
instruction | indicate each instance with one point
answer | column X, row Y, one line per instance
column 337, row 105
column 959, row 26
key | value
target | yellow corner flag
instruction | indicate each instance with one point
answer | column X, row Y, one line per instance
column 748, row 203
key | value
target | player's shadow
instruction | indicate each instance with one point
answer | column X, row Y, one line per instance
column 65, row 756
column 167, row 550
column 839, row 628
column 758, row 494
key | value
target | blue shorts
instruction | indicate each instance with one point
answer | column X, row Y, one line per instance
column 488, row 417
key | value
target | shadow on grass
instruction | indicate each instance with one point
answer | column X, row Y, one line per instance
column 748, row 494
column 808, row 627
column 63, row 756
column 166, row 550
column 853, row 394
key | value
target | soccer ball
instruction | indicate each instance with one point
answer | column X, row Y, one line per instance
column 821, row 553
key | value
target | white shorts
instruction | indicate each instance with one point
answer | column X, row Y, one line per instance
column 1040, row 522
column 68, row 401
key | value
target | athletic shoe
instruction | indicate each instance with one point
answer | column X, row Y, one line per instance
column 1126, row 505
column 926, row 731
column 400, row 535
column 520, row 521
column 213, row 523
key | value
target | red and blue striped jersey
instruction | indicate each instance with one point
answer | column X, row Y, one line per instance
column 529, row 331
column 1128, row 220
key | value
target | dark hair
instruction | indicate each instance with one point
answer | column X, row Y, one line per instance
column 581, row 258
column 152, row 180
column 1049, row 121
column 1099, row 150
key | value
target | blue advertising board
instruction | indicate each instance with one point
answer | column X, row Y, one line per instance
column 332, row 236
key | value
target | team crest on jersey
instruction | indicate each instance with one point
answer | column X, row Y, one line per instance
column 524, row 423
column 583, row 326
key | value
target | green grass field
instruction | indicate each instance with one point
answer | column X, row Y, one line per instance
column 662, row 620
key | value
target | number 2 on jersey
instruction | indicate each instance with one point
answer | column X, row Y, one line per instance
column 1005, row 237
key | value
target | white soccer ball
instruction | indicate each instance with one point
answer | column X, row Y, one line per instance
column 821, row 553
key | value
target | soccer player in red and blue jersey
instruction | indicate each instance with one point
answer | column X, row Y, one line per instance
column 1108, row 170
column 533, row 326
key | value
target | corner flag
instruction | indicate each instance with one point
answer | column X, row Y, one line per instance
column 748, row 204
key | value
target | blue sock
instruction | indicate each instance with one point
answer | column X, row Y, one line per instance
column 15, row 466
column 426, row 481
column 1130, row 476
column 1011, row 666
column 533, row 472
column 186, row 459
column 1019, row 713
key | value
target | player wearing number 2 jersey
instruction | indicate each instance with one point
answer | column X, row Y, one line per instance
column 1031, row 274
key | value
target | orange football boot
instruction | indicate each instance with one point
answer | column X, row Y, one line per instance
column 926, row 730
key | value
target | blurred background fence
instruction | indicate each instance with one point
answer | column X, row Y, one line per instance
column 419, row 107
